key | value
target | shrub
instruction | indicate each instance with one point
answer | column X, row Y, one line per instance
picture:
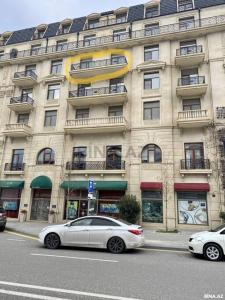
column 222, row 215
column 129, row 208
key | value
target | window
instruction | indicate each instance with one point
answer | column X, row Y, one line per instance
column 117, row 59
column 26, row 95
column 35, row 49
column 39, row 34
column 194, row 156
column 121, row 18
column 103, row 222
column 53, row 91
column 82, row 113
column 115, row 111
column 17, row 160
column 46, row 157
column 65, row 29
column 188, row 47
column 189, row 76
column 79, row 153
column 93, row 23
column 89, row 40
column 152, row 110
column 113, row 157
column 151, row 154
column 151, row 81
column 86, row 63
column 82, row 222
column 30, row 70
column 50, row 118
column 192, row 208
column 56, row 67
column 191, row 104
column 152, row 29
column 119, row 35
column 152, row 11
column 23, row 118
column 117, row 85
column 151, row 53
column 185, row 5
column 61, row 45
column 84, row 90
column 186, row 23
column 1, row 54
column 152, row 206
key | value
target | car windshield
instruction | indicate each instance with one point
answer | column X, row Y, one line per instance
column 218, row 228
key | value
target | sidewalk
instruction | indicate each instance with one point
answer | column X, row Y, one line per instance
column 174, row 241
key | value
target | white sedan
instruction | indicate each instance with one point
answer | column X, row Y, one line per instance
column 94, row 231
column 209, row 243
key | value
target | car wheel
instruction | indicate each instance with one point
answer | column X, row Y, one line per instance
column 52, row 241
column 213, row 252
column 2, row 228
column 116, row 245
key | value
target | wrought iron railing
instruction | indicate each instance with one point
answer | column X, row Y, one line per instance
column 27, row 73
column 85, row 92
column 103, row 23
column 86, row 122
column 96, row 165
column 99, row 63
column 193, row 114
column 22, row 99
column 220, row 112
column 133, row 35
column 191, row 80
column 14, row 166
column 190, row 164
column 184, row 7
column 194, row 49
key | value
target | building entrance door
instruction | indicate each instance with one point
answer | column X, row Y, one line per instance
column 40, row 205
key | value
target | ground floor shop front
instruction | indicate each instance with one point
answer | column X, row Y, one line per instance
column 189, row 204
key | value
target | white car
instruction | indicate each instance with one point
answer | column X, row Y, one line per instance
column 209, row 243
column 94, row 231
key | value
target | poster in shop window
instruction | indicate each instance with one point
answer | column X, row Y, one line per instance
column 72, row 207
column 192, row 212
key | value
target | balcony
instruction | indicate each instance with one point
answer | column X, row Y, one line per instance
column 191, row 55
column 170, row 31
column 197, row 166
column 98, row 67
column 99, row 24
column 105, row 95
column 14, row 169
column 193, row 118
column 191, row 86
column 17, row 130
column 25, row 79
column 96, row 167
column 96, row 125
column 22, row 103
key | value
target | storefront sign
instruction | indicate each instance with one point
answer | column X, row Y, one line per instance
column 109, row 208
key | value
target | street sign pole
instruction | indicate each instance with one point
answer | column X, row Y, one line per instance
column 90, row 193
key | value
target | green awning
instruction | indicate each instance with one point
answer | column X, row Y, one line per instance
column 99, row 185
column 41, row 182
column 11, row 184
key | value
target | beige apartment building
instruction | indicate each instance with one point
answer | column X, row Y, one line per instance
column 131, row 99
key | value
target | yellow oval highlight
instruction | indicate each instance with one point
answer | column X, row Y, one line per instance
column 96, row 56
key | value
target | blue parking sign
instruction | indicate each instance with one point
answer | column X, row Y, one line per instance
column 91, row 186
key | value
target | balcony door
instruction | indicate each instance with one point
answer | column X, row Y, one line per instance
column 26, row 94
column 117, row 85
column 113, row 157
column 17, row 160
column 79, row 158
column 189, row 76
column 194, row 156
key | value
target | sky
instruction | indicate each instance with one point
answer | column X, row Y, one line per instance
column 20, row 14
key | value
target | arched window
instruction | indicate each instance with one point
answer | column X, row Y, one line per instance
column 46, row 157
column 151, row 154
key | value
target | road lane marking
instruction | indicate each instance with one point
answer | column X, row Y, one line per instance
column 29, row 295
column 75, row 257
column 22, row 235
column 64, row 291
column 16, row 240
column 165, row 250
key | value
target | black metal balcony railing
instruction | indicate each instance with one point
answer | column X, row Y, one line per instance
column 104, row 23
column 132, row 35
column 99, row 63
column 220, row 112
column 82, row 92
column 193, row 114
column 28, row 73
column 194, row 49
column 14, row 167
column 190, row 164
column 191, row 80
column 22, row 99
column 96, row 165
column 184, row 7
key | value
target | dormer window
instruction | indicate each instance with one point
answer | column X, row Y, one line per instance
column 64, row 29
column 121, row 18
column 152, row 11
column 39, row 34
column 94, row 23
column 184, row 5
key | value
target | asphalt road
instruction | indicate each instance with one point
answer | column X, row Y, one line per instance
column 29, row 271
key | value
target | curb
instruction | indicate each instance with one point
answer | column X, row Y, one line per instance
column 21, row 232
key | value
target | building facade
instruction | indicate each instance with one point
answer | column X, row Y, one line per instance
column 131, row 98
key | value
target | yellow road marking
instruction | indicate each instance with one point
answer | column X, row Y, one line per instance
column 22, row 235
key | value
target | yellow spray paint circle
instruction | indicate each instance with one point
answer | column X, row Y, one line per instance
column 96, row 56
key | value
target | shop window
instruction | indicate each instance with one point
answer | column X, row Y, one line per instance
column 192, row 208
column 152, row 206
column 151, row 154
column 46, row 157
column 10, row 201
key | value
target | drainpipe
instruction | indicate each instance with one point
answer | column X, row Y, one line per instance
column 199, row 17
column 46, row 48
